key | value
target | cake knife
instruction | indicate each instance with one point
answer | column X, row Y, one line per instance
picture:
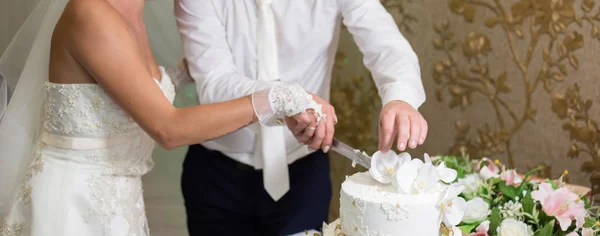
column 351, row 153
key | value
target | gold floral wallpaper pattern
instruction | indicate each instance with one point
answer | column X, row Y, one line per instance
column 515, row 79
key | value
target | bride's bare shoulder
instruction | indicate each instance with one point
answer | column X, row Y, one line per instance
column 91, row 16
column 86, row 24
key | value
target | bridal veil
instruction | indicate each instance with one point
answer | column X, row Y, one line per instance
column 24, row 66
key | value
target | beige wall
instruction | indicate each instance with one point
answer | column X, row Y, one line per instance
column 495, row 87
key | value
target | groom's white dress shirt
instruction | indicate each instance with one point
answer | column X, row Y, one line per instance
column 219, row 39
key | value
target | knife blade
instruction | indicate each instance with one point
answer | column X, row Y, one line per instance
column 353, row 154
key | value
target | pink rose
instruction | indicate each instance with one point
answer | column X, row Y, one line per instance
column 482, row 229
column 562, row 204
column 511, row 177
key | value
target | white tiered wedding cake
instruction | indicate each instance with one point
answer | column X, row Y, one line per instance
column 399, row 196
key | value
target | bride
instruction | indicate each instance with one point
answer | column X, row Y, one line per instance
column 89, row 105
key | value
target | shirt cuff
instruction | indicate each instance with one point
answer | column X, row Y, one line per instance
column 403, row 93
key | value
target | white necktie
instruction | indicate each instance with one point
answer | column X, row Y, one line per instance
column 273, row 151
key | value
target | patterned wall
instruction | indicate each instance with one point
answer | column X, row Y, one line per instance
column 514, row 80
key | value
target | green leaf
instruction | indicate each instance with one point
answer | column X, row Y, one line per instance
column 460, row 173
column 553, row 183
column 589, row 222
column 495, row 220
column 543, row 217
column 529, row 173
column 468, row 227
column 586, row 203
column 560, row 233
column 509, row 191
column 494, row 181
column 525, row 187
column 547, row 230
column 528, row 203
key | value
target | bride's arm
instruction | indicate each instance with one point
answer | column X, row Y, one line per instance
column 108, row 50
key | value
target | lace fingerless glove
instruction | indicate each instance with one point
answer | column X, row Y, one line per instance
column 282, row 100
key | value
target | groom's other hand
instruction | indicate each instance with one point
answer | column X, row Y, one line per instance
column 325, row 129
column 401, row 119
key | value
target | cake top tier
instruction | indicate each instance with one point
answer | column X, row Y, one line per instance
column 363, row 186
column 401, row 178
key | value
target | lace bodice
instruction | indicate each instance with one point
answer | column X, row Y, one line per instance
column 85, row 110
column 83, row 119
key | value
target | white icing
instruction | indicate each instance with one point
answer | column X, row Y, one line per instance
column 368, row 208
column 395, row 212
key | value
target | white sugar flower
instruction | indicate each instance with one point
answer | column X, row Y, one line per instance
column 406, row 176
column 385, row 165
column 445, row 174
column 427, row 180
column 416, row 177
column 452, row 207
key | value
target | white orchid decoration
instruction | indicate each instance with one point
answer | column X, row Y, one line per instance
column 409, row 176
column 385, row 165
column 427, row 179
column 452, row 206
column 447, row 175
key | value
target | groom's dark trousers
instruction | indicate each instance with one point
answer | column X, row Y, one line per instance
column 225, row 197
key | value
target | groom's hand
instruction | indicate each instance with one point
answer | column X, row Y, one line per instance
column 299, row 123
column 401, row 119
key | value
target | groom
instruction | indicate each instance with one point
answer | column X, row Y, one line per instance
column 262, row 180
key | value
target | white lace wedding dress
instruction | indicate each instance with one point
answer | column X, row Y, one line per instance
column 85, row 177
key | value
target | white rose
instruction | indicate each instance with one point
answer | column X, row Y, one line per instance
column 512, row 227
column 477, row 210
column 472, row 182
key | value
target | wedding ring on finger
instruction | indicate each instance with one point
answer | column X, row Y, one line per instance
column 320, row 117
column 311, row 128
